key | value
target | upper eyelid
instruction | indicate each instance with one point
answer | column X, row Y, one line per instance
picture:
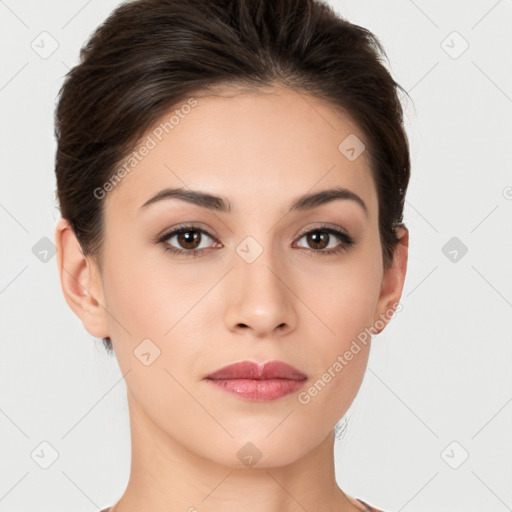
column 177, row 230
column 171, row 232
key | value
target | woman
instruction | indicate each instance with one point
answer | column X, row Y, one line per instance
column 231, row 177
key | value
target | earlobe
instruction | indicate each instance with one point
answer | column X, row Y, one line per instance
column 80, row 281
column 393, row 280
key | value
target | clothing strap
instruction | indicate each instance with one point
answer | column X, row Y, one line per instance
column 369, row 507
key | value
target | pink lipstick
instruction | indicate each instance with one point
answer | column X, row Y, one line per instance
column 258, row 381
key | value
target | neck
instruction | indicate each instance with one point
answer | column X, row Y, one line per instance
column 166, row 477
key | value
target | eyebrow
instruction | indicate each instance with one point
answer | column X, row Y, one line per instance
column 303, row 203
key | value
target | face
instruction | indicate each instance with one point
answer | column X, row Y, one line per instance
column 259, row 280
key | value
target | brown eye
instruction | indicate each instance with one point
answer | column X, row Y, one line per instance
column 189, row 239
column 326, row 240
column 318, row 239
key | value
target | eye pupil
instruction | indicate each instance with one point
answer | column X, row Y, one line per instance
column 189, row 237
column 315, row 236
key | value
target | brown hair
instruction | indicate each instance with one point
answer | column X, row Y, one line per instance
column 149, row 55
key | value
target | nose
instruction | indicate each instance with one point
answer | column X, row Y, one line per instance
column 259, row 297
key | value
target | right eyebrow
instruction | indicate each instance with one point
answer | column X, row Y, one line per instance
column 191, row 196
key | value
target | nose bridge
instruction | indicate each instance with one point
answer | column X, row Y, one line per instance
column 258, row 266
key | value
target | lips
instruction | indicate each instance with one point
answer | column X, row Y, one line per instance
column 258, row 371
column 260, row 382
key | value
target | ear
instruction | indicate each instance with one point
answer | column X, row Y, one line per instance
column 393, row 281
column 80, row 281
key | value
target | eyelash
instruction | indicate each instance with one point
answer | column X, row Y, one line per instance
column 347, row 240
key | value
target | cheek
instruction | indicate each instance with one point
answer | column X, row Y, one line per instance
column 151, row 318
column 352, row 306
column 344, row 297
column 150, row 298
column 345, row 344
column 345, row 305
column 146, row 295
column 340, row 362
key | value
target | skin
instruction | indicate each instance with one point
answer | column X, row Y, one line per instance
column 261, row 151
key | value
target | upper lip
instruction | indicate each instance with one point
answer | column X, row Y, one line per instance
column 258, row 371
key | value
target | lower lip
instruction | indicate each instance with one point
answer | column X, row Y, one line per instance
column 259, row 390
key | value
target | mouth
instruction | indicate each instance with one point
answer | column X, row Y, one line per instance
column 258, row 381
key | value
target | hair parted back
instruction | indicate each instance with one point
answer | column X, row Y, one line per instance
column 150, row 55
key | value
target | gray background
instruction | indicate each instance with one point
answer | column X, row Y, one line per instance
column 438, row 387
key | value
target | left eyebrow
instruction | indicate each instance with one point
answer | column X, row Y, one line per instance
column 305, row 202
column 315, row 199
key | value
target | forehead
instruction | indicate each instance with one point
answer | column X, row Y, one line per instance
column 254, row 147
